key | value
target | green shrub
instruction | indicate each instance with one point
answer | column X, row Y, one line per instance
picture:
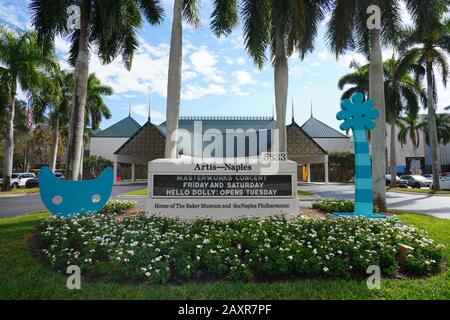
column 334, row 205
column 158, row 250
column 116, row 206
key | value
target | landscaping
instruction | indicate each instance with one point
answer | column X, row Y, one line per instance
column 136, row 193
column 421, row 191
column 302, row 193
column 21, row 191
column 160, row 250
column 22, row 276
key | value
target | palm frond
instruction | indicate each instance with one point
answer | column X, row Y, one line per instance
column 224, row 17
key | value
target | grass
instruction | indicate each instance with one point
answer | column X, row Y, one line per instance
column 22, row 277
column 21, row 191
column 302, row 193
column 420, row 191
column 142, row 192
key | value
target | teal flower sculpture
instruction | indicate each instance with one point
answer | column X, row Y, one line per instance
column 359, row 116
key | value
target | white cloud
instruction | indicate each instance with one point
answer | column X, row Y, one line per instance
column 142, row 111
column 62, row 46
column 195, row 91
column 343, row 61
column 240, row 61
column 14, row 15
column 239, row 92
column 229, row 61
column 204, row 62
column 149, row 71
column 243, row 77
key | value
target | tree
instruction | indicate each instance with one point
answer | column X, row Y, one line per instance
column 21, row 64
column 96, row 165
column 187, row 9
column 410, row 127
column 348, row 30
column 57, row 101
column 442, row 128
column 96, row 110
column 284, row 27
column 403, row 94
column 358, row 80
column 111, row 27
column 428, row 45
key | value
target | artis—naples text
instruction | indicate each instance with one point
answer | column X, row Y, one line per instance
column 225, row 167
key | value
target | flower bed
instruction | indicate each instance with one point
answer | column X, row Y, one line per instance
column 159, row 250
column 115, row 206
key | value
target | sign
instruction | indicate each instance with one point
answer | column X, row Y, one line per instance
column 218, row 189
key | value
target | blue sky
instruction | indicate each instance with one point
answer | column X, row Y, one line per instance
column 218, row 76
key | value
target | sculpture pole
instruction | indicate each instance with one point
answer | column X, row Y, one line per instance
column 359, row 116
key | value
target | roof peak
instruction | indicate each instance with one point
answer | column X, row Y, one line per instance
column 226, row 118
column 124, row 128
column 318, row 129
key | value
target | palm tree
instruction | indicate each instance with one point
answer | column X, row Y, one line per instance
column 111, row 26
column 429, row 44
column 403, row 94
column 21, row 63
column 442, row 128
column 358, row 80
column 58, row 100
column 347, row 31
column 410, row 128
column 96, row 110
column 284, row 26
column 187, row 9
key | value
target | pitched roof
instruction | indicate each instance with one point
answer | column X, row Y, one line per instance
column 294, row 124
column 148, row 123
column 317, row 129
column 224, row 123
column 125, row 128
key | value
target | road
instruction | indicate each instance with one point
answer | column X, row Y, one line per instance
column 438, row 206
column 17, row 205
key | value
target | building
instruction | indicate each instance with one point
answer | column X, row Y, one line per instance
column 128, row 145
column 105, row 143
column 421, row 153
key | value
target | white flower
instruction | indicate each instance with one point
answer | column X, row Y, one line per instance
column 325, row 269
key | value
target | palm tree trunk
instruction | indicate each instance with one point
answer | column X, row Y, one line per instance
column 54, row 151
column 78, row 111
column 174, row 81
column 80, row 176
column 434, row 144
column 363, row 177
column 9, row 146
column 378, row 135
column 281, row 89
column 393, row 160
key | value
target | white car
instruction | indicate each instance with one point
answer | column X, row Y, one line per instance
column 19, row 180
column 445, row 183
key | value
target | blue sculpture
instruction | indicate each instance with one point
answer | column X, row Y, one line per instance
column 68, row 198
column 358, row 116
